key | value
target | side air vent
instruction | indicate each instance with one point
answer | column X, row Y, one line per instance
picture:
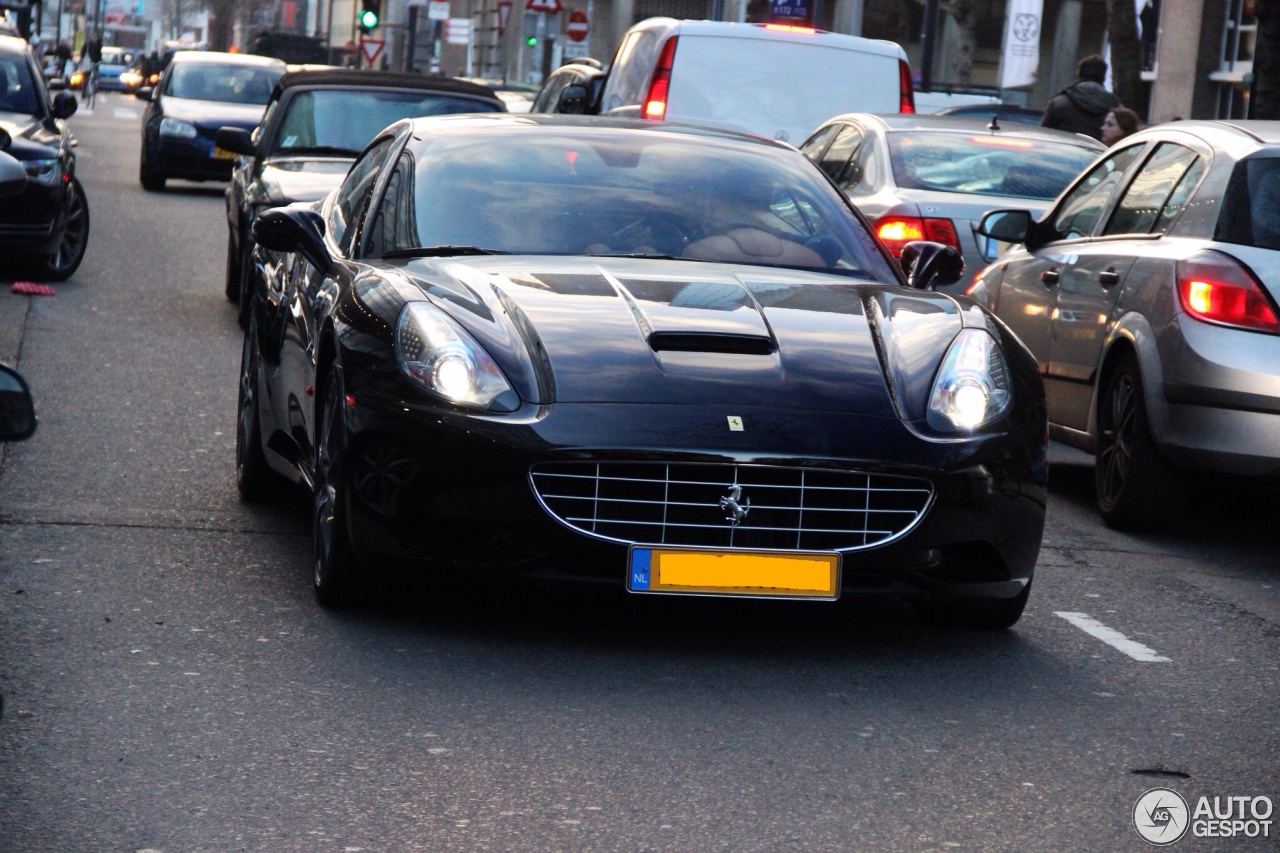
column 710, row 342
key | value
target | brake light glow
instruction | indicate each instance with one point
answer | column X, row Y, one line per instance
column 786, row 28
column 655, row 103
column 906, row 90
column 898, row 231
column 1215, row 289
column 1003, row 143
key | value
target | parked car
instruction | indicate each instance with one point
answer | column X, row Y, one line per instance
column 199, row 93
column 44, row 230
column 1149, row 297
column 1004, row 113
column 572, row 89
column 925, row 177
column 670, row 357
column 742, row 77
column 316, row 123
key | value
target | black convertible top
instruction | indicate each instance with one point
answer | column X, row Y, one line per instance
column 388, row 79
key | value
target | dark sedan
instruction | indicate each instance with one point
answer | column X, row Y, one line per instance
column 199, row 93
column 671, row 358
column 44, row 229
column 316, row 123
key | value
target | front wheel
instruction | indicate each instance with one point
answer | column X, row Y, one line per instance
column 254, row 478
column 151, row 182
column 65, row 260
column 1136, row 489
column 334, row 564
column 233, row 270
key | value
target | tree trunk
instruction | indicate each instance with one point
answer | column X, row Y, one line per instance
column 1266, row 62
column 1126, row 53
column 960, row 63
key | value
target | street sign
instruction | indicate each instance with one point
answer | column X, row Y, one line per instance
column 575, row 50
column 578, row 25
column 457, row 31
column 371, row 48
column 438, row 10
column 549, row 6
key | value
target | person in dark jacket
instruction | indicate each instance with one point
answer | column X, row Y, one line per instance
column 1082, row 106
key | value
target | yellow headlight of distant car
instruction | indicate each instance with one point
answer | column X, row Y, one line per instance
column 77, row 79
column 130, row 78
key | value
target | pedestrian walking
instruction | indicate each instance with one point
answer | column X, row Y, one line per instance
column 62, row 58
column 1119, row 123
column 1082, row 106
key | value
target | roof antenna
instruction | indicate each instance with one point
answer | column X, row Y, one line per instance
column 995, row 123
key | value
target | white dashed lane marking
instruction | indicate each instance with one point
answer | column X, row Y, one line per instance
column 1113, row 638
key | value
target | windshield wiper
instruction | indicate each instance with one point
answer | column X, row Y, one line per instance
column 316, row 150
column 440, row 252
column 657, row 256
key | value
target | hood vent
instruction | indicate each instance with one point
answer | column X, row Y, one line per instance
column 711, row 342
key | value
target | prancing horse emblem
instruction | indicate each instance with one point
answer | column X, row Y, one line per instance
column 730, row 504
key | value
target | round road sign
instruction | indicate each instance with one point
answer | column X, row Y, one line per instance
column 578, row 25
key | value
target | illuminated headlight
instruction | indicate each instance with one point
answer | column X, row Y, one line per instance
column 77, row 79
column 438, row 355
column 177, row 127
column 44, row 172
column 972, row 388
column 130, row 78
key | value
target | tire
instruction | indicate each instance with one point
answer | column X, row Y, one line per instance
column 975, row 616
column 233, row 271
column 151, row 182
column 334, row 564
column 247, row 282
column 255, row 480
column 1135, row 488
column 65, row 260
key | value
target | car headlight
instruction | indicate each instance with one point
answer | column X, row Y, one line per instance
column 177, row 127
column 438, row 355
column 972, row 388
column 45, row 172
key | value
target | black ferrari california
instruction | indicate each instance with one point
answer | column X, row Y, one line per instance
column 672, row 358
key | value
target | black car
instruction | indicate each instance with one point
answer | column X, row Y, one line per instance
column 316, row 123
column 572, row 89
column 198, row 93
column 43, row 230
column 672, row 358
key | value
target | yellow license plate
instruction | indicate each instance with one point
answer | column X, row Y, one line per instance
column 223, row 154
column 764, row 574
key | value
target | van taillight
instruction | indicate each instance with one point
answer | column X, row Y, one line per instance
column 898, row 231
column 1216, row 289
column 906, row 92
column 655, row 103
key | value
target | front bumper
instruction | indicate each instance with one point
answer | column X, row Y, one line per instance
column 187, row 159
column 33, row 221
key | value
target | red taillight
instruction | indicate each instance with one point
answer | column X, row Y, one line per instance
column 906, row 91
column 655, row 103
column 787, row 28
column 1216, row 289
column 898, row 231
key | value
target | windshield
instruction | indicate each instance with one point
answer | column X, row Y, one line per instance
column 985, row 164
column 235, row 84
column 347, row 120
column 581, row 191
column 17, row 89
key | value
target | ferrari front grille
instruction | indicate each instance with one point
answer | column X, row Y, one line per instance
column 714, row 505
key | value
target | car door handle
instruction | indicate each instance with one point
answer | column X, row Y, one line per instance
column 1050, row 276
column 1108, row 277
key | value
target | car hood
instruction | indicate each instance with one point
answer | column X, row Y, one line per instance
column 211, row 115
column 31, row 139
column 288, row 180
column 678, row 332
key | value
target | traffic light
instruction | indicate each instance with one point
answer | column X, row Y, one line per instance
column 368, row 18
column 532, row 41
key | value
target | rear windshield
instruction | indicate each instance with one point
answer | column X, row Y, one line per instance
column 348, row 120
column 235, row 84
column 778, row 89
column 1251, row 206
column 985, row 165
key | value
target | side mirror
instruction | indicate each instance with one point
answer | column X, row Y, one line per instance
column 1007, row 226
column 928, row 265
column 572, row 100
column 236, row 140
column 64, row 105
column 144, row 94
column 13, row 177
column 293, row 229
column 57, row 84
column 17, row 409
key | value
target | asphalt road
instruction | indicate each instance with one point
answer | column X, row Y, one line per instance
column 170, row 684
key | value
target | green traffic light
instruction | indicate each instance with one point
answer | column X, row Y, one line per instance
column 368, row 19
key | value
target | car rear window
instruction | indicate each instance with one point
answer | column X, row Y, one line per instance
column 347, row 120
column 1251, row 205
column 985, row 164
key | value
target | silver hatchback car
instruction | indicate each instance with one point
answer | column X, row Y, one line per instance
column 1148, row 294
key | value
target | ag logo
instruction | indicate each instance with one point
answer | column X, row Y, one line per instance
column 1161, row 816
column 1026, row 27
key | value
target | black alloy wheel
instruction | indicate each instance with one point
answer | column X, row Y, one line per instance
column 254, row 478
column 1136, row 489
column 974, row 615
column 151, row 182
column 65, row 260
column 334, row 564
column 233, row 271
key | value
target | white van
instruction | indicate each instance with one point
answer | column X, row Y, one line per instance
column 768, row 79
